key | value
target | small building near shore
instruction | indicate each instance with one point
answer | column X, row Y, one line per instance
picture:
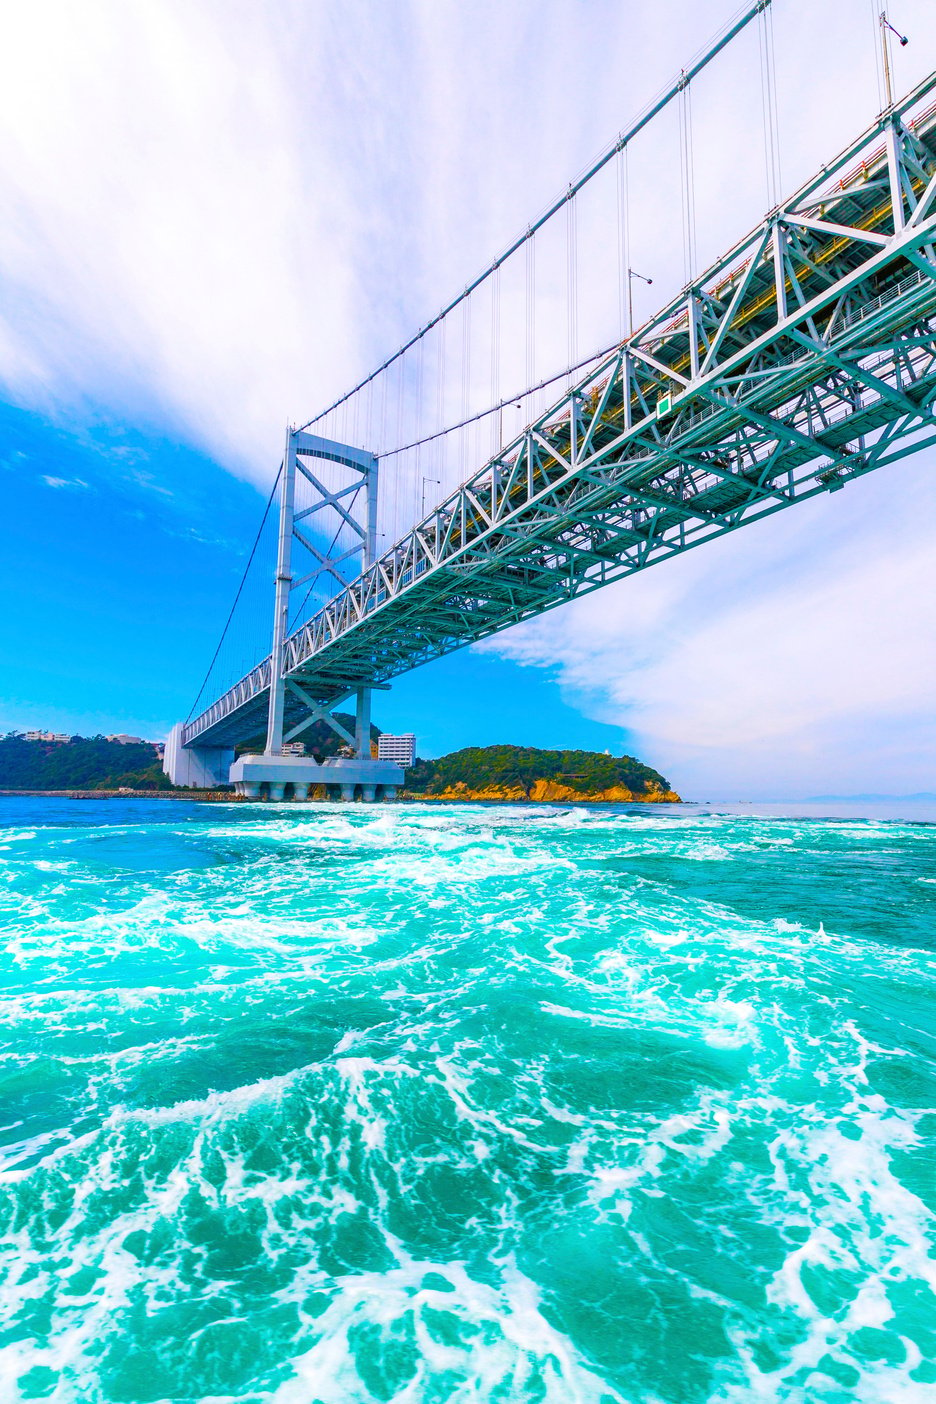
column 399, row 749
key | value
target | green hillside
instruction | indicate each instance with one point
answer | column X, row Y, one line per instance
column 509, row 772
column 511, row 767
column 83, row 763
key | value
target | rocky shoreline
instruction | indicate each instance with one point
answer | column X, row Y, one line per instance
column 548, row 792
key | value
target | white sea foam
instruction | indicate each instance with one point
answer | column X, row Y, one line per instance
column 490, row 1036
column 498, row 1339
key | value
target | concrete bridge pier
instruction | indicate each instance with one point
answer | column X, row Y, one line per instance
column 204, row 767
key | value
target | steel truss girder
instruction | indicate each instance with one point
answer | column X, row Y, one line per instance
column 804, row 358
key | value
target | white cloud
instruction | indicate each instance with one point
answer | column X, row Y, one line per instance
column 165, row 216
column 792, row 659
column 217, row 214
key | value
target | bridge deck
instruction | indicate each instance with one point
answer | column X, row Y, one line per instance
column 802, row 359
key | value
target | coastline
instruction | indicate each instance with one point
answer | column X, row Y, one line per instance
column 542, row 792
column 208, row 796
column 545, row 792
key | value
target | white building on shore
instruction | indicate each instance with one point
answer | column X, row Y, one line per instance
column 399, row 749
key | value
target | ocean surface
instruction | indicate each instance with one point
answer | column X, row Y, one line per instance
column 444, row 1104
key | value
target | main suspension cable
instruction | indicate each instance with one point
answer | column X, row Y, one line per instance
column 502, row 404
column 734, row 26
column 240, row 588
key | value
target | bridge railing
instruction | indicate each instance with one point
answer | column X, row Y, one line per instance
column 252, row 685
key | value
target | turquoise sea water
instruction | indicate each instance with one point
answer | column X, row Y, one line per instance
column 437, row 1104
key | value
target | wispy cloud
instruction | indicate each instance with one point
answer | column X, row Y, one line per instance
column 64, row 482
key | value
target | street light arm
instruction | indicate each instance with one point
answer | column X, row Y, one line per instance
column 904, row 41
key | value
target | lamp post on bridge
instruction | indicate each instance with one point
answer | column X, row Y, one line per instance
column 422, row 501
column 631, row 275
column 886, row 29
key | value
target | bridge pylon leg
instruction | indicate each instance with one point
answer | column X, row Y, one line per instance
column 299, row 446
column 274, row 741
column 363, row 724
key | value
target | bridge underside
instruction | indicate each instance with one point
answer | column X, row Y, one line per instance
column 805, row 358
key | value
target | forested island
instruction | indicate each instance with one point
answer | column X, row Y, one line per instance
column 475, row 773
column 526, row 773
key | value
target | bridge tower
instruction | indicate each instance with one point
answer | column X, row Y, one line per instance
column 333, row 510
column 347, row 513
column 341, row 502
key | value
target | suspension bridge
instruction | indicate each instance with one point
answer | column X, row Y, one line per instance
column 800, row 360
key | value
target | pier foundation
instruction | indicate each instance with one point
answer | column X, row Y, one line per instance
column 270, row 777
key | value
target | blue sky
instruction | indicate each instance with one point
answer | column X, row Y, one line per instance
column 221, row 214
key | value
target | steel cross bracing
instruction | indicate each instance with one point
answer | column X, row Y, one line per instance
column 339, row 504
column 804, row 358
